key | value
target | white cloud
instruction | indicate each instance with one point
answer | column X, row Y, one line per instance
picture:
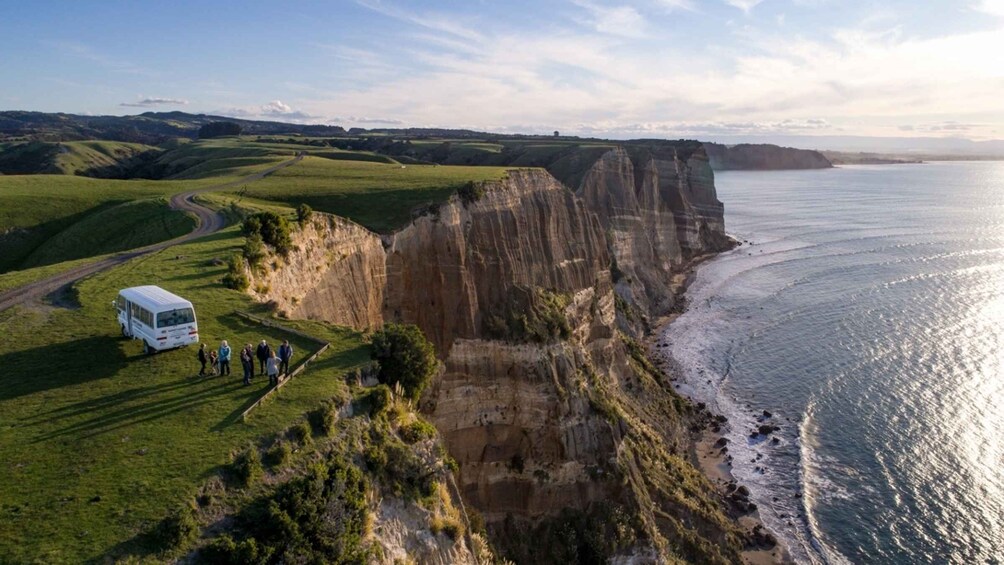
column 677, row 4
column 869, row 79
column 154, row 101
column 992, row 7
column 281, row 110
column 614, row 20
column 744, row 5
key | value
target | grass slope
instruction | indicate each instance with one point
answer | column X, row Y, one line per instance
column 99, row 441
column 67, row 158
column 36, row 209
column 114, row 228
column 379, row 196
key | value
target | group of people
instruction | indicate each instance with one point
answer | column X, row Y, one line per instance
column 271, row 362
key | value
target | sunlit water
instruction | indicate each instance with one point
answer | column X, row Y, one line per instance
column 868, row 317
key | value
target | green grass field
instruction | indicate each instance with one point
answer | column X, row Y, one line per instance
column 67, row 157
column 379, row 196
column 46, row 219
column 99, row 441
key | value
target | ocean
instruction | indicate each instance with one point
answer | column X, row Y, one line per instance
column 866, row 314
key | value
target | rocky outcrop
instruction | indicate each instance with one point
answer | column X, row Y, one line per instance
column 553, row 415
column 763, row 157
column 659, row 207
column 335, row 272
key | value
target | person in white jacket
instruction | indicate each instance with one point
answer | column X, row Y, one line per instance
column 272, row 368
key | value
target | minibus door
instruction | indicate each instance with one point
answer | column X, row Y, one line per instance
column 128, row 314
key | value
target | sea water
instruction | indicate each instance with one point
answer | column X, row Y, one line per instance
column 866, row 314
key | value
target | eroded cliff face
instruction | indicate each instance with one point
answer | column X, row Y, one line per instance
column 660, row 210
column 553, row 414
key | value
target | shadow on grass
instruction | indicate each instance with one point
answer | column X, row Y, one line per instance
column 147, row 411
column 29, row 371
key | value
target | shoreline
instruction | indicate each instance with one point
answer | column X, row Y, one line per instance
column 708, row 447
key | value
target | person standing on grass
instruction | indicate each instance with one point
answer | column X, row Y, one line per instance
column 214, row 363
column 285, row 355
column 224, row 358
column 201, row 356
column 247, row 363
column 263, row 353
column 272, row 367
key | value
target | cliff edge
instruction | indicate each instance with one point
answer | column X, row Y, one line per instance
column 528, row 287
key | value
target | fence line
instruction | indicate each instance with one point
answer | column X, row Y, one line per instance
column 283, row 379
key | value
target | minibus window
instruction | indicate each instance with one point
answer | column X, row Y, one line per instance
column 177, row 317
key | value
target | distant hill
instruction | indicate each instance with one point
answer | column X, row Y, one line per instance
column 150, row 127
column 763, row 157
column 92, row 158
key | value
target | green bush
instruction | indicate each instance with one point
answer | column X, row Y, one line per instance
column 529, row 315
column 316, row 518
column 405, row 357
column 236, row 278
column 273, row 229
column 417, row 431
column 324, row 418
column 278, row 454
column 301, row 434
column 470, row 192
column 246, row 467
column 254, row 250
column 374, row 401
column 177, row 529
column 225, row 551
column 303, row 214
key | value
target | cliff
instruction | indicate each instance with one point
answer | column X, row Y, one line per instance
column 763, row 157
column 561, row 428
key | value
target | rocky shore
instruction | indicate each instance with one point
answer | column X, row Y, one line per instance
column 709, row 447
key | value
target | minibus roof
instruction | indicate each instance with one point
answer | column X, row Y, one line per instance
column 154, row 298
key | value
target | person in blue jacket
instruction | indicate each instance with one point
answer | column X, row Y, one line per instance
column 224, row 358
column 285, row 355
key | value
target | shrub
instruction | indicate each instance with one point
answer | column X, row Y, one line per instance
column 301, row 434
column 405, row 357
column 470, row 192
column 177, row 529
column 225, row 551
column 374, row 401
column 236, row 278
column 278, row 454
column 417, row 431
column 254, row 250
column 273, row 229
column 529, row 315
column 324, row 418
column 316, row 518
column 447, row 525
column 246, row 467
column 303, row 214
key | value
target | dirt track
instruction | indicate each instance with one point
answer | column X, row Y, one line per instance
column 208, row 222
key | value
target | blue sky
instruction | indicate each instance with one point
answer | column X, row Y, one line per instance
column 638, row 68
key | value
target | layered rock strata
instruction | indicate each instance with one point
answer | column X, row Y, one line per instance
column 546, row 405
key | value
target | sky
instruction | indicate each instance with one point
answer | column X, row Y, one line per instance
column 710, row 69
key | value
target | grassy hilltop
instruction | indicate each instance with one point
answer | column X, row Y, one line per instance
column 100, row 442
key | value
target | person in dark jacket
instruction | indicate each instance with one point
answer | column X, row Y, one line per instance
column 285, row 354
column 247, row 363
column 201, row 356
column 263, row 353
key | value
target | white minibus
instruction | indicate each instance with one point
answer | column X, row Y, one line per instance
column 161, row 319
